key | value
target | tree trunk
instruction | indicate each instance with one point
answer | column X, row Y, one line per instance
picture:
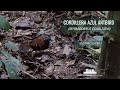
column 109, row 61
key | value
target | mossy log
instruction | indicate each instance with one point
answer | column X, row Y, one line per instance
column 109, row 61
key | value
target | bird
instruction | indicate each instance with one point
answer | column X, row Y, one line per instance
column 40, row 43
column 37, row 43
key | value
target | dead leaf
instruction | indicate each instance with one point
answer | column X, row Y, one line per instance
column 62, row 56
column 37, row 19
column 78, row 12
column 44, row 58
column 42, row 31
column 49, row 70
column 22, row 33
column 70, row 62
column 60, row 63
column 4, row 76
column 24, row 47
column 67, row 50
column 44, row 12
column 53, row 38
column 23, row 23
column 58, row 48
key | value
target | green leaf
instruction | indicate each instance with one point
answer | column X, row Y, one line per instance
column 12, row 46
column 77, row 45
column 10, row 57
column 1, row 64
column 12, row 65
column 12, row 68
column 6, row 54
column 4, row 24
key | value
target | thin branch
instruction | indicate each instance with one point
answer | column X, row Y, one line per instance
column 46, row 76
column 36, row 69
column 28, row 74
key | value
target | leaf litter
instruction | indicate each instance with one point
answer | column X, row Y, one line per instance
column 61, row 60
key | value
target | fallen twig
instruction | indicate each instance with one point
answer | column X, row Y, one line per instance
column 46, row 76
column 36, row 69
column 28, row 74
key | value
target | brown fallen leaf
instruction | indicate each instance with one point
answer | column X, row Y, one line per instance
column 44, row 12
column 23, row 23
column 49, row 70
column 24, row 47
column 4, row 76
column 70, row 62
column 22, row 33
column 67, row 50
column 60, row 63
column 44, row 58
column 78, row 12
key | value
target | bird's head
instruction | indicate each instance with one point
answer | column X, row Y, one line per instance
column 47, row 39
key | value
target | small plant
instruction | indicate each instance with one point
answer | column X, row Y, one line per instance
column 7, row 62
column 4, row 24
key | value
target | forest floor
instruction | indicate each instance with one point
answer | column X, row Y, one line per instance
column 61, row 60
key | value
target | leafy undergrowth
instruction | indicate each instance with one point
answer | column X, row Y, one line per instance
column 64, row 59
